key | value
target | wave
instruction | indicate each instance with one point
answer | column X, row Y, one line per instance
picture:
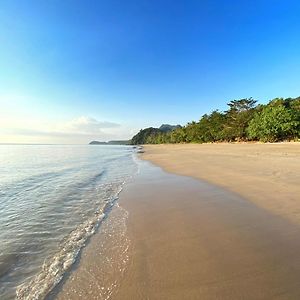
column 55, row 267
column 30, row 183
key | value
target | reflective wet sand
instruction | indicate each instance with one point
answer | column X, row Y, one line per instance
column 192, row 240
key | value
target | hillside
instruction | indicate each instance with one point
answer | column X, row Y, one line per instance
column 167, row 127
column 145, row 135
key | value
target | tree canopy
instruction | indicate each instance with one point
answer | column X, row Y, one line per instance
column 244, row 120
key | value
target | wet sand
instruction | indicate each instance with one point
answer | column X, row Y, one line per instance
column 102, row 262
column 190, row 239
column 194, row 240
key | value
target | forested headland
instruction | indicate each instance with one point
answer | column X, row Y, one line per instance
column 244, row 120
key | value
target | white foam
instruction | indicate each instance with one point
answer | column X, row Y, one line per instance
column 55, row 267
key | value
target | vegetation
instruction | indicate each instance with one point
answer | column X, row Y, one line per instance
column 144, row 136
column 153, row 135
column 167, row 127
column 244, row 120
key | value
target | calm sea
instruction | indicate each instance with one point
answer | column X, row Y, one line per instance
column 52, row 198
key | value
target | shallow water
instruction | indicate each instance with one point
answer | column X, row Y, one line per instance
column 52, row 198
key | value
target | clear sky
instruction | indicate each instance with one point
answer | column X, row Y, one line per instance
column 72, row 71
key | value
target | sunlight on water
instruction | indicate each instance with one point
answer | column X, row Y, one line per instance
column 52, row 198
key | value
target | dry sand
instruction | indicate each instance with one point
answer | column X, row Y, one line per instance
column 266, row 174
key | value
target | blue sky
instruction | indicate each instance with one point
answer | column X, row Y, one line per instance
column 71, row 71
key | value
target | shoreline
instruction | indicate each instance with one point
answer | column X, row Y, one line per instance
column 99, row 280
column 192, row 239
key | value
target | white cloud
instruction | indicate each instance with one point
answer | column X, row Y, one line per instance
column 79, row 130
column 23, row 119
column 87, row 125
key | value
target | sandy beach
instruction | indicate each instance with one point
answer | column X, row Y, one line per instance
column 231, row 232
column 266, row 174
column 194, row 240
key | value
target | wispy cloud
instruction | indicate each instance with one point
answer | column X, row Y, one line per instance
column 80, row 129
column 87, row 125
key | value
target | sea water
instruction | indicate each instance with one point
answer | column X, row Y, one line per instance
column 52, row 199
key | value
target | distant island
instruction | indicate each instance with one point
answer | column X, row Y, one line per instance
column 123, row 142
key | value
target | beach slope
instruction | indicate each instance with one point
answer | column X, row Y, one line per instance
column 266, row 174
column 194, row 240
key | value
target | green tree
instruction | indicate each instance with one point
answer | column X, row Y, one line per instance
column 278, row 120
column 192, row 132
column 237, row 118
column 274, row 123
column 145, row 136
column 177, row 136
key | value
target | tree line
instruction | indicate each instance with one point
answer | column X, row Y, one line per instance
column 244, row 120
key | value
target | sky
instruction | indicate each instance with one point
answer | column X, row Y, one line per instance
column 74, row 71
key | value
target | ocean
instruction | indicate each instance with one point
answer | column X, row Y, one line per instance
column 52, row 200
